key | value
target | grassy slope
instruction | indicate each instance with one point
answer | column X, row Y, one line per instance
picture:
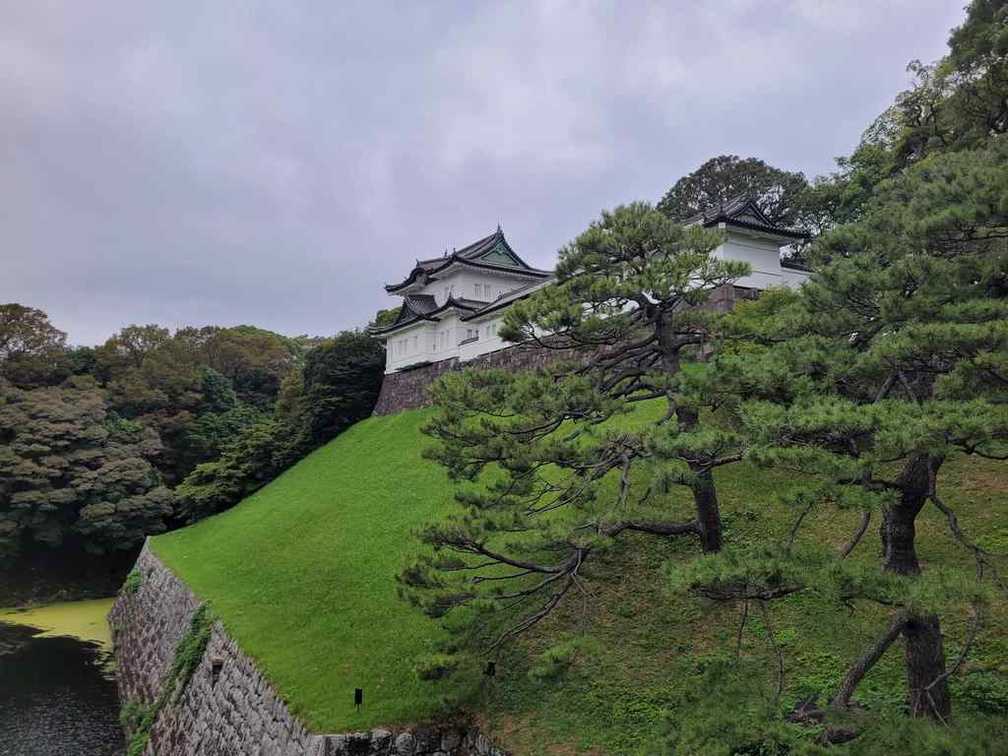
column 303, row 574
column 621, row 695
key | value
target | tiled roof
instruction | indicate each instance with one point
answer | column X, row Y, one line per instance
column 466, row 304
column 423, row 307
column 477, row 255
column 505, row 299
column 745, row 213
column 421, row 304
column 484, row 245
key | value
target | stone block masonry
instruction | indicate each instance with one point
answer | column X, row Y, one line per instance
column 228, row 707
column 407, row 389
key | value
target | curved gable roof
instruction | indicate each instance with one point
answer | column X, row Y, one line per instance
column 418, row 307
column 743, row 212
column 489, row 253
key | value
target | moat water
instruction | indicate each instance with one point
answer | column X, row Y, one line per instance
column 57, row 686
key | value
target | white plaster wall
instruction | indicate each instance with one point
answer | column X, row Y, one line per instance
column 794, row 278
column 489, row 337
column 411, row 345
column 763, row 256
column 464, row 280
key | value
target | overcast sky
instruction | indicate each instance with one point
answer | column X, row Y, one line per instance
column 275, row 163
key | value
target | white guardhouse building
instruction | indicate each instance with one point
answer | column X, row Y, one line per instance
column 452, row 305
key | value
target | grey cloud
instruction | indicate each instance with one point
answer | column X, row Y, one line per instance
column 274, row 163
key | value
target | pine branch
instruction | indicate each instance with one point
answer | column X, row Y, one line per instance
column 861, row 666
column 796, row 525
column 533, row 619
column 741, row 627
column 654, row 528
column 858, row 535
column 776, row 646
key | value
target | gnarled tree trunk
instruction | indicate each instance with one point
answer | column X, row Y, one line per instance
column 927, row 687
column 708, row 515
column 923, row 647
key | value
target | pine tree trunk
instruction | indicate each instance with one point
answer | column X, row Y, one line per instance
column 923, row 647
column 925, row 663
column 924, row 650
column 898, row 529
column 707, row 513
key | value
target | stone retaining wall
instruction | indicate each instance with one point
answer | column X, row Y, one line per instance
column 228, row 707
column 407, row 389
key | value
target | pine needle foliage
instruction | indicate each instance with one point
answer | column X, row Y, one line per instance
column 557, row 461
column 890, row 360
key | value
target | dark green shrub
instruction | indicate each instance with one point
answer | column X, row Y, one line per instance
column 983, row 692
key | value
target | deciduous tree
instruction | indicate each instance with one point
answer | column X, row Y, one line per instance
column 337, row 386
column 31, row 347
column 778, row 193
column 72, row 473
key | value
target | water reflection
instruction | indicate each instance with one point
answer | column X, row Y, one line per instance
column 57, row 695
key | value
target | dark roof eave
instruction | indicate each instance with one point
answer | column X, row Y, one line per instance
column 396, row 326
column 455, row 258
column 526, row 271
column 417, row 317
column 450, row 303
column 771, row 230
column 505, row 301
column 793, row 265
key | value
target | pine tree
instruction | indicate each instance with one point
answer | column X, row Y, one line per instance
column 560, row 461
column 897, row 352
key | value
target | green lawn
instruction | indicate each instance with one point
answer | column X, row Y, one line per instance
column 302, row 574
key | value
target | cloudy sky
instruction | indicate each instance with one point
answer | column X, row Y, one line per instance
column 274, row 163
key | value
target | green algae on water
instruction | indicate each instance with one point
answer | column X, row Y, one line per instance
column 86, row 620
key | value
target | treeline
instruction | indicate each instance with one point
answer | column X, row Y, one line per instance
column 101, row 446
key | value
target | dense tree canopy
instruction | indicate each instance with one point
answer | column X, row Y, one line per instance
column 337, row 386
column 94, row 438
column 30, row 346
column 194, row 386
column 72, row 472
column 779, row 194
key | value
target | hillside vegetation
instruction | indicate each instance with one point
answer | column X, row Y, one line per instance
column 302, row 573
